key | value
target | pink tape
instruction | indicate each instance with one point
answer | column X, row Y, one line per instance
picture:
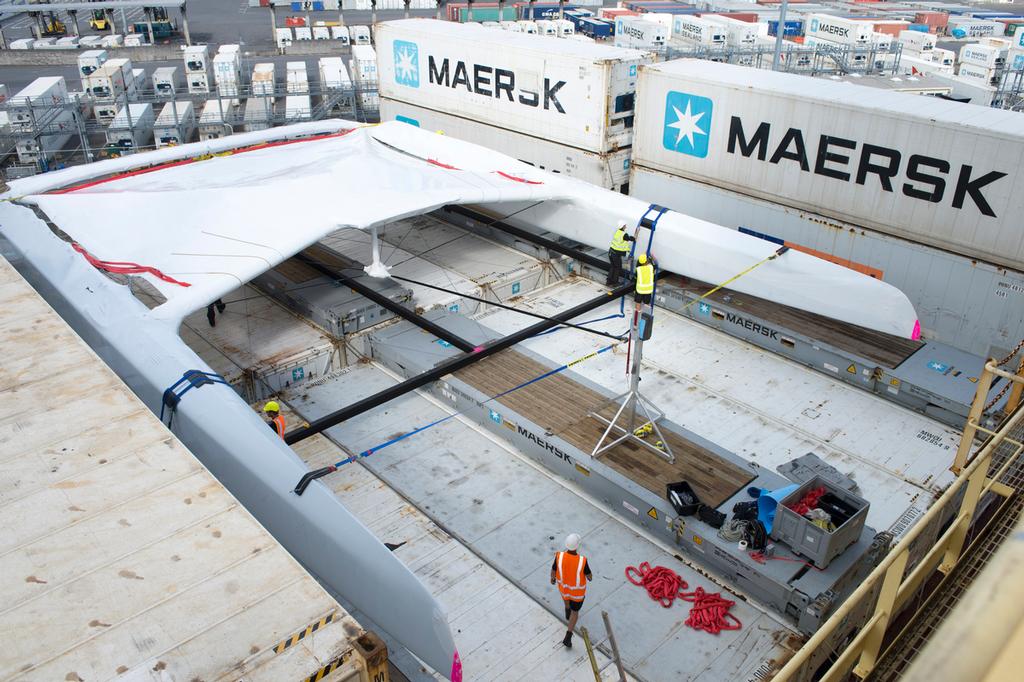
column 916, row 334
column 456, row 675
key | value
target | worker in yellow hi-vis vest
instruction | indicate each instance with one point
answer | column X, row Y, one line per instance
column 644, row 281
column 616, row 252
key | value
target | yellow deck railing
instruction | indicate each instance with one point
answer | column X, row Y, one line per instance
column 890, row 583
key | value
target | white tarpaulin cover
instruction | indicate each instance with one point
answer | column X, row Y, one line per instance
column 216, row 223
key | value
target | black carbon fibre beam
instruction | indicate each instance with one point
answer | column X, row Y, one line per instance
column 385, row 302
column 450, row 366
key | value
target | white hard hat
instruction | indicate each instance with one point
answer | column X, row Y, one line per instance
column 572, row 542
column 622, row 224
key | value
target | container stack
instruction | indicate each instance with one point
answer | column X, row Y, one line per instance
column 175, row 125
column 263, row 81
column 42, row 104
column 561, row 105
column 197, row 69
column 132, row 127
column 165, row 81
column 363, row 68
column 297, row 83
column 227, row 71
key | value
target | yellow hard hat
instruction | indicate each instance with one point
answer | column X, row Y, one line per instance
column 272, row 406
column 642, row 259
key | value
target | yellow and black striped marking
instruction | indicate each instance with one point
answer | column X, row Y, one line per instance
column 298, row 636
column 329, row 668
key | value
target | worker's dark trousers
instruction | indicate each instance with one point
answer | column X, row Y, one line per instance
column 615, row 273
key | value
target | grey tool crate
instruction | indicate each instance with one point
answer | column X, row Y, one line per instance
column 817, row 544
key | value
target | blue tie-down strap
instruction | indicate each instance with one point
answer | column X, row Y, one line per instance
column 192, row 378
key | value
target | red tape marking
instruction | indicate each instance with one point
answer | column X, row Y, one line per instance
column 125, row 268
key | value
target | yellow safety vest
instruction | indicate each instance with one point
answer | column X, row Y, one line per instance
column 619, row 242
column 645, row 279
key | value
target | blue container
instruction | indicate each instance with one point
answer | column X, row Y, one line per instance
column 545, row 11
column 923, row 28
column 596, row 28
column 793, row 28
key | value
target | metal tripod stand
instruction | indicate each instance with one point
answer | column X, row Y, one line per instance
column 632, row 403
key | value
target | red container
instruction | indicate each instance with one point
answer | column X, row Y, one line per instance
column 891, row 28
column 295, row 21
column 936, row 21
column 612, row 12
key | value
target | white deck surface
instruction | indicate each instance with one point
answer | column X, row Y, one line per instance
column 120, row 554
column 757, row 404
column 514, row 516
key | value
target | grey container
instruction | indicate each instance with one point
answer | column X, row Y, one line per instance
column 817, row 544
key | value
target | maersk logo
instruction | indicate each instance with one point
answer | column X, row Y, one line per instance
column 407, row 64
column 1020, row 40
column 687, row 124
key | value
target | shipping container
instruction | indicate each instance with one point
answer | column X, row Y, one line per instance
column 609, row 170
column 965, row 27
column 596, row 28
column 197, row 58
column 165, row 81
column 321, row 33
column 936, row 21
column 512, row 26
column 198, row 82
column 1001, row 42
column 564, row 27
column 22, row 44
column 105, row 112
column 263, row 80
column 283, row 37
column 359, row 35
column 303, row 33
column 539, row 10
column 963, row 302
column 363, row 69
column 36, row 101
column 298, row 108
column 215, row 121
column 90, row 60
column 259, row 114
column 738, row 33
column 941, row 55
column 333, row 75
column 42, row 148
column 891, row 28
column 839, row 30
column 985, row 56
column 138, row 82
column 915, row 41
column 114, row 40
column 132, row 128
column 175, row 124
column 297, row 82
column 576, row 94
column 981, row 74
column 340, row 33
column 920, row 168
column 640, row 34
column 794, row 27
column 227, row 73
column 528, row 26
column 546, row 27
column 698, row 31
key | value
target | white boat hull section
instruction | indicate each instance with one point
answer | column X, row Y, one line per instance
column 219, row 222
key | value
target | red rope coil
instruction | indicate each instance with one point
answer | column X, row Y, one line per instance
column 662, row 584
column 710, row 611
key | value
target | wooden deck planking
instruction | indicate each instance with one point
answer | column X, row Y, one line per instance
column 561, row 406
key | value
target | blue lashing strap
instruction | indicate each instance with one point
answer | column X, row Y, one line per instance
column 192, row 378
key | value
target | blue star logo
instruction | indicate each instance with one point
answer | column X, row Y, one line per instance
column 704, row 309
column 687, row 124
column 407, row 64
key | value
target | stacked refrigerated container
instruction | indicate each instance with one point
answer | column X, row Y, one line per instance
column 562, row 105
column 263, row 81
column 165, row 81
column 227, row 71
column 41, row 108
column 905, row 185
column 215, row 121
column 175, row 124
column 363, row 68
column 132, row 127
column 297, row 82
column 89, row 61
column 197, row 69
column 640, row 34
column 689, row 31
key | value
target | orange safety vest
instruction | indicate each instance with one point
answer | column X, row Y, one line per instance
column 278, row 423
column 572, row 583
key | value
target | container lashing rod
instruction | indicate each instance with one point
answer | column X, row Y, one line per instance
column 633, row 403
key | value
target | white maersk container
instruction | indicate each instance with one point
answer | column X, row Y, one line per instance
column 983, row 55
column 214, row 121
column 44, row 147
column 944, row 57
column 974, row 28
column 639, row 34
column 283, row 37
column 359, row 35
column 572, row 93
column 263, row 82
column 297, row 108
column 165, row 81
column 175, row 124
column 738, row 33
column 303, row 33
column 340, row 33
column 980, row 74
column 296, row 80
column 917, row 41
column 546, row 27
column 132, row 128
column 90, row 60
column 36, row 102
column 921, row 168
column 333, row 74
column 698, row 31
column 259, row 114
column 197, row 59
column 609, row 170
column 839, row 30
column 853, row 53
column 363, row 68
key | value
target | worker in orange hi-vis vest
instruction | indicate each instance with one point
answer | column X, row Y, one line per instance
column 275, row 419
column 571, row 571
